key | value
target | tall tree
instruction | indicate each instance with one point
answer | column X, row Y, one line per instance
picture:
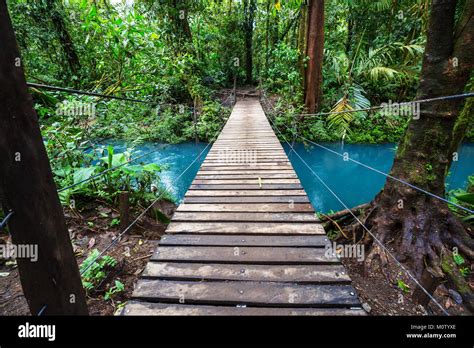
column 302, row 27
column 421, row 229
column 314, row 50
column 51, row 278
column 56, row 13
column 249, row 17
column 180, row 19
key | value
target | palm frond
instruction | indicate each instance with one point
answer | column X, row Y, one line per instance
column 340, row 121
column 378, row 73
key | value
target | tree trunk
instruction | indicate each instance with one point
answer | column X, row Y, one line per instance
column 179, row 18
column 302, row 42
column 315, row 50
column 249, row 16
column 267, row 38
column 350, row 33
column 420, row 229
column 27, row 186
column 56, row 12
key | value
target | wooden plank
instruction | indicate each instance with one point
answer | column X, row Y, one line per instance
column 236, row 144
column 301, row 274
column 269, row 228
column 232, row 177
column 246, row 293
column 244, row 181
column 253, row 255
column 223, row 153
column 215, row 193
column 264, row 186
column 233, row 216
column 247, row 199
column 239, row 145
column 250, row 160
column 249, row 207
column 149, row 308
column 244, row 240
column 238, row 166
column 214, row 152
column 249, row 172
column 233, row 156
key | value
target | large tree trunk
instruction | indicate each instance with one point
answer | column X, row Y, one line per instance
column 420, row 229
column 50, row 280
column 249, row 16
column 315, row 50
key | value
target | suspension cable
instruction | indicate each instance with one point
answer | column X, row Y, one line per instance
column 100, row 95
column 360, row 222
column 148, row 208
column 379, row 107
column 382, row 173
column 93, row 94
column 117, row 238
column 4, row 222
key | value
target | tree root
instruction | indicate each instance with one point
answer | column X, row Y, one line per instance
column 425, row 237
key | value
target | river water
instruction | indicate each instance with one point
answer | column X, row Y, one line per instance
column 352, row 183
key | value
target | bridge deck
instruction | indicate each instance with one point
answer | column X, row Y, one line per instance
column 246, row 240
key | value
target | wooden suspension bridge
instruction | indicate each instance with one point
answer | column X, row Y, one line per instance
column 246, row 240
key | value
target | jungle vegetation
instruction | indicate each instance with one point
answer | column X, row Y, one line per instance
column 183, row 57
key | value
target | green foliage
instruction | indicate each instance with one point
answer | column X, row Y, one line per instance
column 135, row 178
column 458, row 259
column 366, row 62
column 143, row 51
column 210, row 121
column 73, row 162
column 96, row 269
column 464, row 198
column 282, row 76
column 403, row 286
column 111, row 292
column 465, row 271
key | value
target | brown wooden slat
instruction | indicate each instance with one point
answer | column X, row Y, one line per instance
column 215, row 193
column 244, row 240
column 268, row 228
column 250, row 172
column 257, row 167
column 149, row 308
column 248, row 207
column 301, row 274
column 245, row 176
column 254, row 181
column 247, row 199
column 266, row 294
column 238, row 217
column 254, row 255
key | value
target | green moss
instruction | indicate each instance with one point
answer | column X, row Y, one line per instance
column 448, row 267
